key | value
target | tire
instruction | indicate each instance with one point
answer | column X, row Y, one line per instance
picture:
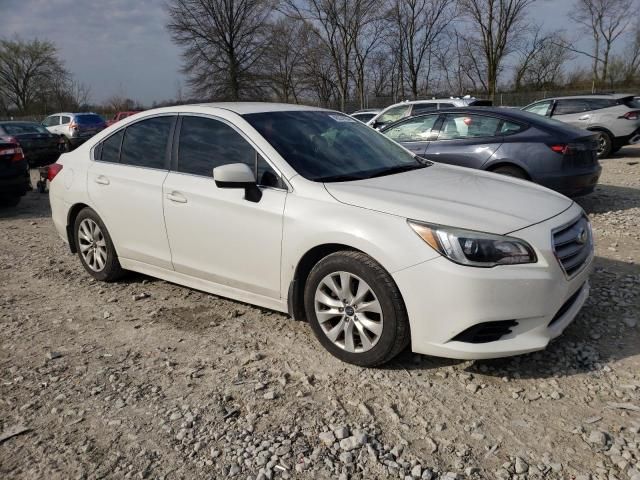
column 511, row 171
column 101, row 261
column 375, row 338
column 605, row 145
column 616, row 149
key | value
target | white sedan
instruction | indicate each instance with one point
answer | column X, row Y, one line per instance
column 307, row 211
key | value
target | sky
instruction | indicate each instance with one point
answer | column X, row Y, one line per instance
column 121, row 47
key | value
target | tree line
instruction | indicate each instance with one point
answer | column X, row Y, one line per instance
column 336, row 51
column 339, row 53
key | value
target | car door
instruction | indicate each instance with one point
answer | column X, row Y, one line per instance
column 466, row 139
column 414, row 133
column 573, row 111
column 215, row 233
column 125, row 186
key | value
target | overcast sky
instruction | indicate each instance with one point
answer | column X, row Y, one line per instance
column 122, row 46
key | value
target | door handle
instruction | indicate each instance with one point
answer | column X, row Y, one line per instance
column 102, row 180
column 584, row 117
column 176, row 197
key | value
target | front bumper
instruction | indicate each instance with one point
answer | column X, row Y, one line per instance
column 444, row 299
column 573, row 184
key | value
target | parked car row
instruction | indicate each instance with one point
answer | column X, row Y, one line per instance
column 310, row 212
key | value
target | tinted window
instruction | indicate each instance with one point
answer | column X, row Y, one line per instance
column 18, row 128
column 51, row 121
column 509, row 128
column 598, row 103
column 446, row 105
column 540, row 108
column 566, row 107
column 331, row 147
column 413, row 130
column 393, row 114
column 363, row 117
column 89, row 119
column 65, row 119
column 206, row 144
column 468, row 126
column 145, row 143
column 423, row 108
column 110, row 148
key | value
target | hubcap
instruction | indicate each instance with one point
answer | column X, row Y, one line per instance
column 92, row 245
column 348, row 312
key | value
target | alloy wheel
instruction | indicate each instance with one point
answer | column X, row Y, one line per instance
column 92, row 245
column 348, row 312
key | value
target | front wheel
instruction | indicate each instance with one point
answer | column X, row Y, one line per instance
column 95, row 248
column 355, row 309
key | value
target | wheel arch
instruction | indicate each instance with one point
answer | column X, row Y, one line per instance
column 507, row 163
column 71, row 220
column 598, row 128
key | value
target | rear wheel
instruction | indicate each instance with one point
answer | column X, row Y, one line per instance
column 605, row 145
column 355, row 309
column 95, row 248
column 511, row 171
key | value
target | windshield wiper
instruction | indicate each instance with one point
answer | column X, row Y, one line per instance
column 398, row 169
column 338, row 178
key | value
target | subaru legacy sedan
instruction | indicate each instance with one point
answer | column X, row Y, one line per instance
column 510, row 142
column 310, row 212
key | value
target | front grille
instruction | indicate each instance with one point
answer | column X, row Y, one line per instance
column 573, row 245
column 485, row 332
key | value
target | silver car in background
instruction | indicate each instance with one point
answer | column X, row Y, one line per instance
column 616, row 117
column 411, row 108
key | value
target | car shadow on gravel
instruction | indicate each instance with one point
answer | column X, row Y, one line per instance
column 596, row 339
column 33, row 205
column 610, row 198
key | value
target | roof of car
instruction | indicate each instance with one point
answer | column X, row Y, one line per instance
column 242, row 108
column 614, row 96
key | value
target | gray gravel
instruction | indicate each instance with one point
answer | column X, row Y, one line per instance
column 145, row 379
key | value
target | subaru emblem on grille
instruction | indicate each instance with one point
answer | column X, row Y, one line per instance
column 582, row 237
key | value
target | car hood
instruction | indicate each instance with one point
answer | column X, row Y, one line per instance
column 455, row 196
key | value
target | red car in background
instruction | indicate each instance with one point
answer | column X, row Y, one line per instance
column 119, row 116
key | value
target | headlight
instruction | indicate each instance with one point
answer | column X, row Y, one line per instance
column 476, row 249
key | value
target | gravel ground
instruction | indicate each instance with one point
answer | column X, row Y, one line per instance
column 145, row 379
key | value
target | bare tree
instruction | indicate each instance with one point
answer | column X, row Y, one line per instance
column 421, row 25
column 222, row 41
column 540, row 61
column 28, row 69
column 606, row 21
column 284, row 61
column 339, row 25
column 496, row 26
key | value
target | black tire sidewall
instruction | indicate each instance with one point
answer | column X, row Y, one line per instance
column 609, row 142
column 112, row 269
column 392, row 312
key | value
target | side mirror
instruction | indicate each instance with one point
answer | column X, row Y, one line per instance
column 238, row 175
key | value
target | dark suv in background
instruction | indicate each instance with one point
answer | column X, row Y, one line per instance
column 615, row 117
column 14, row 173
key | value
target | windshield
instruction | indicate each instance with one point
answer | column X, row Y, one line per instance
column 331, row 147
column 89, row 119
column 20, row 128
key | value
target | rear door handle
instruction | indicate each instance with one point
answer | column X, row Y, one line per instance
column 584, row 117
column 102, row 180
column 176, row 197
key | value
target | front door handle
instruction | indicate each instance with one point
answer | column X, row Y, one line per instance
column 584, row 117
column 102, row 180
column 176, row 197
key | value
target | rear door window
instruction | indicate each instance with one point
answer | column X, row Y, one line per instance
column 413, row 130
column 464, row 126
column 109, row 149
column 445, row 105
column 419, row 108
column 145, row 143
column 570, row 106
column 65, row 119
